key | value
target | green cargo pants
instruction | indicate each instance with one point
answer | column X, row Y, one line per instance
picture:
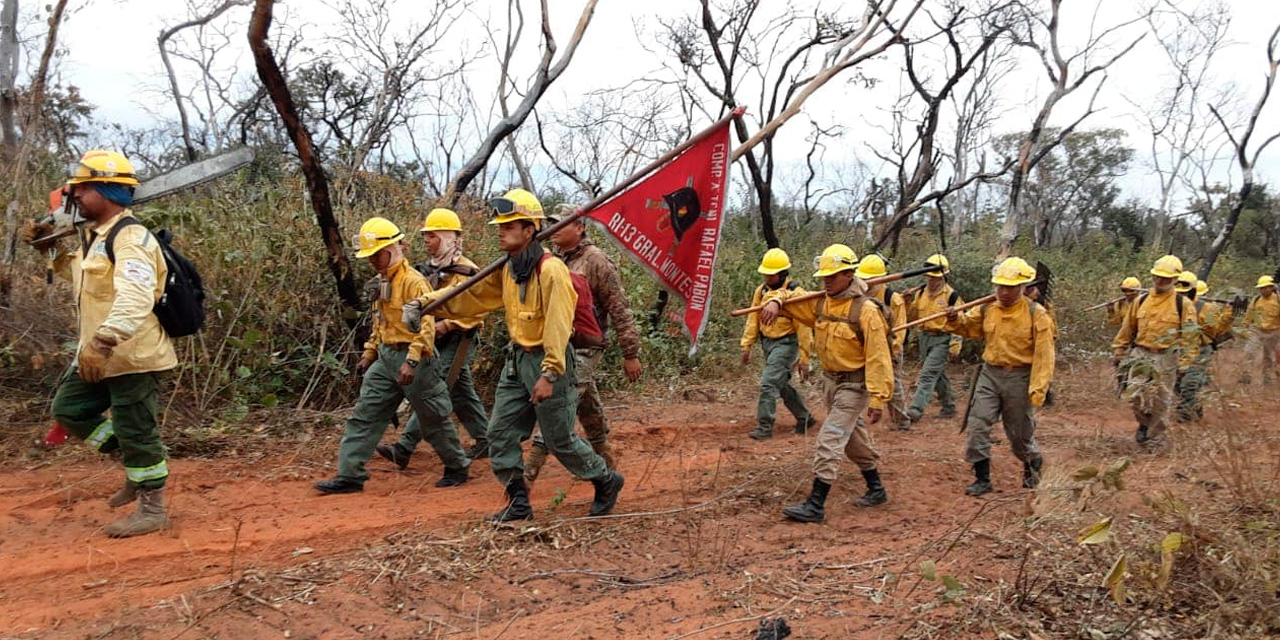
column 132, row 398
column 780, row 357
column 934, row 353
column 380, row 395
column 590, row 408
column 514, row 418
column 462, row 393
column 1004, row 395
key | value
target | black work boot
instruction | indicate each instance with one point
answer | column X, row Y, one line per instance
column 479, row 450
column 982, row 479
column 761, row 433
column 453, row 477
column 517, row 503
column 395, row 453
column 875, row 495
column 1031, row 472
column 811, row 509
column 803, row 426
column 339, row 485
column 607, row 489
column 1141, row 435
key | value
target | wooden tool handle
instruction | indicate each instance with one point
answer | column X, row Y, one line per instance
column 943, row 314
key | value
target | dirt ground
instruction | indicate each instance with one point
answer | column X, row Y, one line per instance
column 697, row 548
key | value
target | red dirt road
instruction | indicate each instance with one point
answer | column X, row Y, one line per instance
column 254, row 552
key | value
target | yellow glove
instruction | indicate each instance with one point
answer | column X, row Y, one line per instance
column 31, row 230
column 1037, row 399
column 93, row 358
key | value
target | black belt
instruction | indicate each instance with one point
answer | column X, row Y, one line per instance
column 857, row 375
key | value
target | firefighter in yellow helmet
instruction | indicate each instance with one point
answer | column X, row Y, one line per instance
column 455, row 340
column 398, row 364
column 1017, row 367
column 1262, row 321
column 118, row 274
column 1215, row 328
column 852, row 341
column 1116, row 311
column 1158, row 340
column 537, row 384
column 873, row 266
column 936, row 345
column 786, row 347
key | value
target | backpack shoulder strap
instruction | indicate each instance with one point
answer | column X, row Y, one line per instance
column 951, row 299
column 127, row 221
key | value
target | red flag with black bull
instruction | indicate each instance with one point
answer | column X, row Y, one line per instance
column 670, row 223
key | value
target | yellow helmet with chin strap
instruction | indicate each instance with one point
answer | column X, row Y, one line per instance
column 1169, row 266
column 517, row 204
column 1265, row 281
column 834, row 259
column 442, row 220
column 375, row 235
column 775, row 261
column 1013, row 271
column 100, row 165
column 1186, row 282
column 1202, row 287
column 871, row 266
column 1130, row 283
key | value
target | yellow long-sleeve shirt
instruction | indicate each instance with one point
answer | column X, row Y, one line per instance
column 450, row 279
column 544, row 318
column 1019, row 335
column 752, row 330
column 838, row 345
column 897, row 316
column 1264, row 313
column 1152, row 323
column 1215, row 321
column 1116, row 312
column 925, row 303
column 116, row 300
column 404, row 284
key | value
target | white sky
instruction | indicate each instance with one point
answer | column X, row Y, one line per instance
column 111, row 55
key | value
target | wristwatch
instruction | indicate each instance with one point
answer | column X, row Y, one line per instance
column 411, row 362
column 551, row 377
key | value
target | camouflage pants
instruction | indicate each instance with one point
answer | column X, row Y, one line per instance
column 1150, row 377
column 843, row 434
column 595, row 425
column 1192, row 383
column 1004, row 395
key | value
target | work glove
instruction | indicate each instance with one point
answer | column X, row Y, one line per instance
column 92, row 362
column 364, row 364
column 31, row 230
column 1037, row 398
column 411, row 315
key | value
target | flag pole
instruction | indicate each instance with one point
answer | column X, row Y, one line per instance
column 547, row 232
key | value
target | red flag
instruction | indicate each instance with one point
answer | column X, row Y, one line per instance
column 670, row 223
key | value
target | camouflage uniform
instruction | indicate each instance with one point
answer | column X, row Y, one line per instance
column 610, row 299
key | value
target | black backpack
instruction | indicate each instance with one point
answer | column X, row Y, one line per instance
column 181, row 306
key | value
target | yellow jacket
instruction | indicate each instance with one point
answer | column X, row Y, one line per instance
column 925, row 304
column 1264, row 313
column 838, row 344
column 1016, row 336
column 897, row 316
column 1152, row 323
column 543, row 319
column 1117, row 311
column 116, row 300
column 449, row 280
column 781, row 328
column 405, row 284
column 1215, row 321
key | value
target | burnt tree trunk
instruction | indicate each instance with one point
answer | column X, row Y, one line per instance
column 317, row 182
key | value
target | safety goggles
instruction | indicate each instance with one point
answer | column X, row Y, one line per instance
column 81, row 171
column 365, row 240
column 829, row 263
column 505, row 206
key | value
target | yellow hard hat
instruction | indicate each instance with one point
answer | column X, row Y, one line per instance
column 103, row 166
column 1167, row 267
column 1013, row 271
column 1202, row 287
column 442, row 220
column 774, row 261
column 939, row 260
column 1130, row 283
column 1186, row 282
column 834, row 259
column 517, row 204
column 375, row 235
column 1265, row 281
column 871, row 266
